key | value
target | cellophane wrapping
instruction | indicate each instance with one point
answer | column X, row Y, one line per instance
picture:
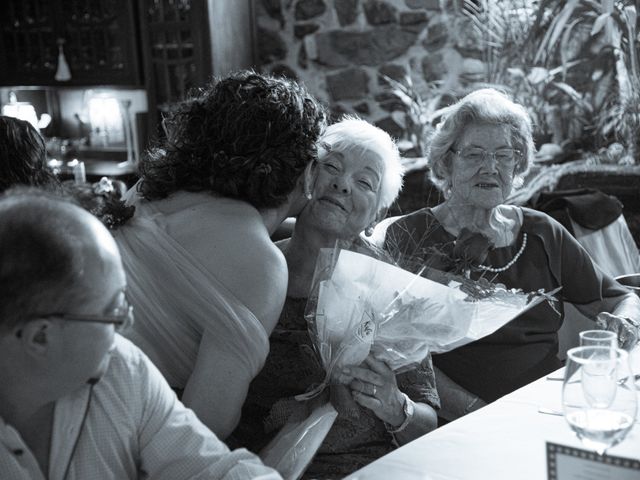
column 360, row 305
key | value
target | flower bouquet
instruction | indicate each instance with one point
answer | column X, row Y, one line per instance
column 360, row 304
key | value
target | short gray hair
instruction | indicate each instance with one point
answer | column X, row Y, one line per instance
column 488, row 106
column 41, row 262
column 354, row 136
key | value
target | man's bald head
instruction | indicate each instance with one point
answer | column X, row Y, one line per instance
column 51, row 251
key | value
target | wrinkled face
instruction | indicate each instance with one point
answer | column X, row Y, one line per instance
column 345, row 196
column 483, row 182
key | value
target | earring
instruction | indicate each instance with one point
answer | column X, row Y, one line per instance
column 368, row 231
column 308, row 181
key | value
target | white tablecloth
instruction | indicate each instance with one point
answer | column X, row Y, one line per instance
column 505, row 440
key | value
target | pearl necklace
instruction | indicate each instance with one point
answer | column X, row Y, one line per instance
column 508, row 265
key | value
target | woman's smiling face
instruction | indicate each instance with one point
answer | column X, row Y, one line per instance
column 345, row 196
column 482, row 182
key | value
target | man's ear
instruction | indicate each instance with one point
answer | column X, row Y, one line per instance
column 35, row 335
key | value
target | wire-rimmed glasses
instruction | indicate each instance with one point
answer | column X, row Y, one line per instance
column 121, row 317
column 504, row 157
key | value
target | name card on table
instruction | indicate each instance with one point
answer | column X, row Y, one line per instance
column 570, row 463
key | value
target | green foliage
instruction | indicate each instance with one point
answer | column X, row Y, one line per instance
column 573, row 63
column 417, row 115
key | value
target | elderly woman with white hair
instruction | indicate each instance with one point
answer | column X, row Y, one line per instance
column 479, row 152
column 358, row 175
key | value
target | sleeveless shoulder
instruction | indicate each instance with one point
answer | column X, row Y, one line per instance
column 229, row 238
column 185, row 277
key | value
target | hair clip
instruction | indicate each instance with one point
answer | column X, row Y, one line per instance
column 263, row 169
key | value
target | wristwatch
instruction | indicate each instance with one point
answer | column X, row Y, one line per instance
column 409, row 409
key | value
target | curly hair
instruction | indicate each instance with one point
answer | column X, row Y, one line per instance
column 247, row 136
column 485, row 105
column 23, row 156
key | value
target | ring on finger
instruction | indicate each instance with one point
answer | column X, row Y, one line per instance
column 373, row 394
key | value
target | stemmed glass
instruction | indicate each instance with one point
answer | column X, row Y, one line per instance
column 599, row 398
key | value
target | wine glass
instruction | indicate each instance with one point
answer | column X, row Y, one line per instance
column 599, row 398
column 603, row 338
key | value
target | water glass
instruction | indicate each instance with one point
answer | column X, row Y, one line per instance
column 599, row 398
column 598, row 338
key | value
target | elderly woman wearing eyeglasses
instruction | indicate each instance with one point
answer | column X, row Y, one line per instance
column 479, row 153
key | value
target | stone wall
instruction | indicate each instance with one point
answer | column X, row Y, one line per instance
column 340, row 48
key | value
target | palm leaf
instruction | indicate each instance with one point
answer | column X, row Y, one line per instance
column 631, row 18
column 554, row 32
column 564, row 46
column 600, row 23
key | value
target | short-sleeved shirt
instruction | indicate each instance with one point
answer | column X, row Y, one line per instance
column 527, row 347
column 127, row 426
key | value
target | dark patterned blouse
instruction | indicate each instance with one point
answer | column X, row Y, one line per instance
column 292, row 368
column 527, row 347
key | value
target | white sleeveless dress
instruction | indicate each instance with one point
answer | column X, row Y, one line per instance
column 176, row 299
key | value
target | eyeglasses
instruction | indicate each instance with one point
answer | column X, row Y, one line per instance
column 505, row 157
column 122, row 317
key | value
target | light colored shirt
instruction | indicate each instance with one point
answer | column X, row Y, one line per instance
column 130, row 425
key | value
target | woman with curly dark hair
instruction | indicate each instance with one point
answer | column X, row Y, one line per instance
column 204, row 277
column 23, row 156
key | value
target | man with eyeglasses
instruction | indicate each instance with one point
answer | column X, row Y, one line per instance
column 77, row 400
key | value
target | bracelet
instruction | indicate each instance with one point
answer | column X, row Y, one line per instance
column 635, row 325
column 408, row 408
column 632, row 322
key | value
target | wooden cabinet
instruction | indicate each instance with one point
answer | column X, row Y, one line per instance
column 169, row 47
column 185, row 42
column 99, row 39
column 177, row 54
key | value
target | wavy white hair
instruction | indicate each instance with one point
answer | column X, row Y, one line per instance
column 488, row 106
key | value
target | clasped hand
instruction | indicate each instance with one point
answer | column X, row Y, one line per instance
column 626, row 331
column 373, row 385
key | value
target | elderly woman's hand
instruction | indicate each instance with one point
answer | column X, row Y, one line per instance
column 374, row 386
column 625, row 329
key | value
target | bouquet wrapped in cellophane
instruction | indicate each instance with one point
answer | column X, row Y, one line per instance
column 359, row 304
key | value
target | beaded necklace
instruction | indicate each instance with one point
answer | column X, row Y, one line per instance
column 488, row 268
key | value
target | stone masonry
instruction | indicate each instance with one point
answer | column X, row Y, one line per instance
column 341, row 48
